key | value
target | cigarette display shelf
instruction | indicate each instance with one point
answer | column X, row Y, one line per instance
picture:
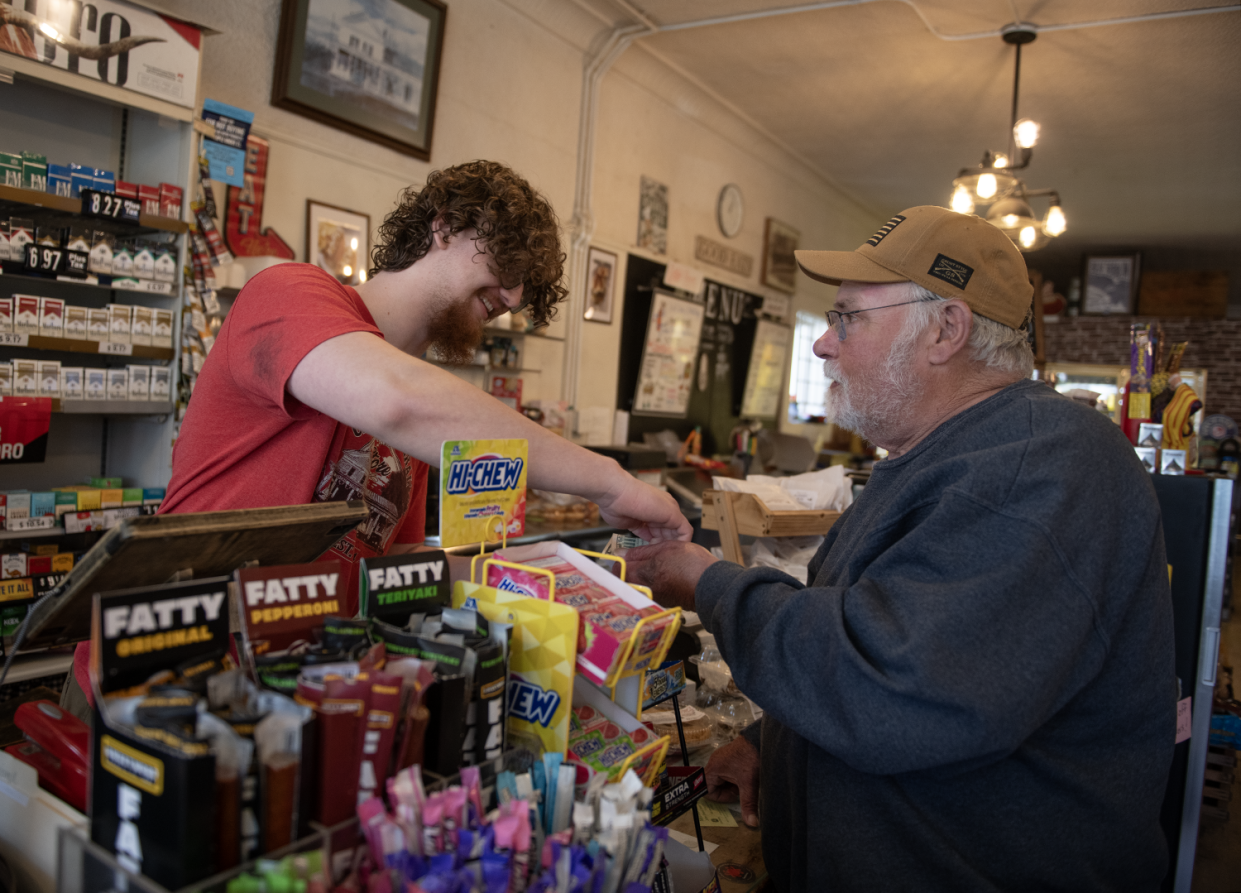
column 83, row 345
column 15, row 202
column 112, row 407
column 15, row 280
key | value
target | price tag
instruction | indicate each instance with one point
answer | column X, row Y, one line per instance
column 44, row 259
column 116, row 348
column 75, row 264
column 41, row 522
column 12, row 339
column 113, row 207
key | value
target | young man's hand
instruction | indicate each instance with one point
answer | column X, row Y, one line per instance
column 671, row 569
column 732, row 774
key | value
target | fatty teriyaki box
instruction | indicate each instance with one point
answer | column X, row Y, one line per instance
column 283, row 603
column 392, row 587
column 152, row 797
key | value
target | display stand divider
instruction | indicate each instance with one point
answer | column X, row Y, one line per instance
column 736, row 515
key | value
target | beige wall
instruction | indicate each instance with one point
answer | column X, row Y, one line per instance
column 510, row 90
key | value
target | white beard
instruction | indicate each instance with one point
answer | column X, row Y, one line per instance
column 875, row 408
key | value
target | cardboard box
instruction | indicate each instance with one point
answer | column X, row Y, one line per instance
column 161, row 383
column 76, row 322
column 66, row 501
column 18, row 504
column 161, row 328
column 11, row 169
column 122, row 259
column 80, row 177
column 90, row 500
column 131, row 496
column 26, row 314
column 6, row 314
column 144, row 259
column 119, row 316
column 13, row 565
column 139, row 382
column 96, row 384
column 25, row 378
column 118, row 384
column 6, row 379
column 165, row 262
column 101, row 252
column 105, row 181
column 49, row 378
column 153, row 495
column 111, row 498
column 125, row 189
column 21, row 234
column 42, row 503
column 140, row 322
column 72, row 384
column 97, row 328
column 51, row 317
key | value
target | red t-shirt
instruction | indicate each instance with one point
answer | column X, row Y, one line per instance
column 247, row 443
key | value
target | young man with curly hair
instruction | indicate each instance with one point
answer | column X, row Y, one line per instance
column 314, row 390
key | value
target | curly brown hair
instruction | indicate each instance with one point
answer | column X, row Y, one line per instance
column 516, row 226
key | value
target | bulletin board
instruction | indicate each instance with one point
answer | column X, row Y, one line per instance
column 765, row 375
column 669, row 352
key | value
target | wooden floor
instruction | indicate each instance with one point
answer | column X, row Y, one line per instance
column 1217, row 866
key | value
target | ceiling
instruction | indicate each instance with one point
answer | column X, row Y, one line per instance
column 1141, row 120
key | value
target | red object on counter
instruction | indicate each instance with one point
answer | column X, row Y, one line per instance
column 58, row 747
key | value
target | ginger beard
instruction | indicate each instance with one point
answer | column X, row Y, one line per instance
column 455, row 331
column 874, row 406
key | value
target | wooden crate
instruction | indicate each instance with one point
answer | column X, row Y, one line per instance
column 1196, row 293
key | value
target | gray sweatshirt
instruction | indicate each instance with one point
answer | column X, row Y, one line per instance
column 977, row 691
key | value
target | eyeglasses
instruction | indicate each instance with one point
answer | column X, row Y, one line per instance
column 527, row 297
column 836, row 319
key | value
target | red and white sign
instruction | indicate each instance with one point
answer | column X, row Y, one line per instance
column 24, row 422
column 110, row 41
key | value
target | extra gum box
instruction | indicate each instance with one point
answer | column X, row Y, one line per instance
column 609, row 608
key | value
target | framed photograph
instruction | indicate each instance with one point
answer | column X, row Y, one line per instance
column 600, row 285
column 338, row 240
column 779, row 265
column 1111, row 283
column 653, row 216
column 368, row 67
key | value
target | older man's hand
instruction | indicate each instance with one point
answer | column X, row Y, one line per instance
column 671, row 569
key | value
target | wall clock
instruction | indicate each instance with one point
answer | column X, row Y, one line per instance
column 730, row 210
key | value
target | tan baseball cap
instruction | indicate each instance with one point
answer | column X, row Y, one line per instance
column 954, row 255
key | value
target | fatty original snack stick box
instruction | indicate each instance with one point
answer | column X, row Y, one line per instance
column 152, row 796
column 482, row 490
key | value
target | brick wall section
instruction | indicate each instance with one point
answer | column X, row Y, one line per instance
column 1214, row 345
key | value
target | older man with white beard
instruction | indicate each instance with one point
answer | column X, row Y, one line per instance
column 976, row 689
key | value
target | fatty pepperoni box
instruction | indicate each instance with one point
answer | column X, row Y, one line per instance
column 609, row 609
column 281, row 604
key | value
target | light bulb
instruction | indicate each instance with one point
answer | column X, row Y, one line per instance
column 961, row 201
column 1025, row 132
column 49, row 31
column 1055, row 224
column 1008, row 221
column 362, row 275
column 1027, row 237
column 346, row 270
column 353, row 243
column 1000, row 160
column 986, row 185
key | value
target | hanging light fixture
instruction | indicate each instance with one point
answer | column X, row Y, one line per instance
column 993, row 182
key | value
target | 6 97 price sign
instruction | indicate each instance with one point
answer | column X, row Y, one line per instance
column 113, row 207
column 55, row 261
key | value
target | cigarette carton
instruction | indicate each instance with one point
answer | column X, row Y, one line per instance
column 153, row 495
column 13, row 565
column 11, row 169
column 101, row 252
column 38, row 564
column 96, row 384
column 66, row 501
column 4, row 241
column 105, row 181
column 161, row 383
column 18, row 504
column 80, row 177
column 131, row 496
column 62, row 562
column 140, row 325
column 60, row 180
column 139, row 382
column 42, row 503
column 119, row 316
column 71, row 383
column 4, row 508
column 149, row 196
column 51, row 317
column 170, row 200
column 25, row 378
column 34, row 171
column 125, row 189
column 49, row 378
column 107, row 483
column 111, row 499
column 165, row 263
column 90, row 500
column 6, row 314
column 118, row 384
column 123, row 259
column 161, row 328
column 97, row 328
column 75, row 322
column 21, row 234
column 6, row 379
column 26, row 314
column 144, row 260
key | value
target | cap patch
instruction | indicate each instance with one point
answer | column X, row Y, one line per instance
column 884, row 230
column 951, row 271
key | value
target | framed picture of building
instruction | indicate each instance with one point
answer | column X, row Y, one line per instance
column 779, row 264
column 368, row 67
column 338, row 241
column 1111, row 283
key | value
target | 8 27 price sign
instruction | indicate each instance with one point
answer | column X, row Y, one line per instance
column 113, row 207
